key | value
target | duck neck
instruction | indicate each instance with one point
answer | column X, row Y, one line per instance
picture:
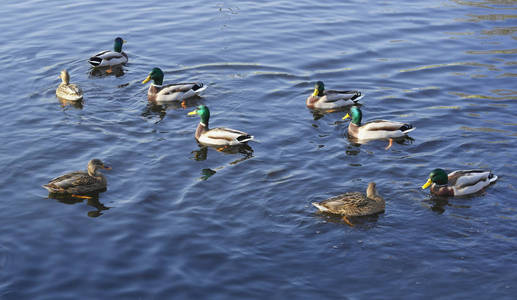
column 94, row 172
column 371, row 193
column 201, row 128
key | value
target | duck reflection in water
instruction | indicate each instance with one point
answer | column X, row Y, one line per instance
column 92, row 200
column 117, row 71
column 245, row 149
column 154, row 108
column 67, row 103
column 202, row 153
column 439, row 204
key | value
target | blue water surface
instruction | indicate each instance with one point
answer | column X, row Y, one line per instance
column 183, row 222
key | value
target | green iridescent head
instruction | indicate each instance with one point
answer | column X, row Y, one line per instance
column 203, row 112
column 156, row 75
column 117, row 46
column 356, row 115
column 437, row 176
column 319, row 88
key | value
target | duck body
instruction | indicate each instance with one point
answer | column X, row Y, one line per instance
column 174, row 92
column 354, row 204
column 80, row 182
column 171, row 92
column 217, row 136
column 459, row 182
column 379, row 129
column 323, row 99
column 67, row 90
column 110, row 58
column 375, row 130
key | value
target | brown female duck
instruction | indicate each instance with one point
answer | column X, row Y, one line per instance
column 80, row 182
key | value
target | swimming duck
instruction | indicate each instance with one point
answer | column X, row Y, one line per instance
column 458, row 183
column 110, row 58
column 170, row 92
column 217, row 136
column 80, row 182
column 67, row 90
column 329, row 99
column 374, row 130
column 353, row 204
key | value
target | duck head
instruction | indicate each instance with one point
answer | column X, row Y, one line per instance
column 156, row 75
column 117, row 45
column 437, row 176
column 65, row 77
column 203, row 112
column 96, row 164
column 357, row 115
column 319, row 88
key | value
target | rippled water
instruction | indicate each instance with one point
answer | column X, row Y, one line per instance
column 179, row 221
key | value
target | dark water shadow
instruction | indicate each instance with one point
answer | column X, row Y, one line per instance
column 92, row 201
column 65, row 104
column 100, row 72
column 405, row 140
column 361, row 222
column 439, row 204
column 202, row 155
column 159, row 109
column 320, row 113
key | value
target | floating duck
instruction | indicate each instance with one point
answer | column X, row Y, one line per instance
column 458, row 183
column 67, row 90
column 353, row 204
column 170, row 92
column 110, row 58
column 220, row 137
column 374, row 130
column 80, row 182
column 331, row 100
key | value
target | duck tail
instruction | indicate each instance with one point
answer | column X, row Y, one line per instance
column 407, row 128
column 492, row 177
column 357, row 96
column 319, row 206
column 95, row 61
column 245, row 138
column 49, row 188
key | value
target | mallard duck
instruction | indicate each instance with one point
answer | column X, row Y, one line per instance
column 329, row 99
column 110, row 58
column 170, row 92
column 374, row 130
column 220, row 136
column 353, row 204
column 458, row 183
column 67, row 90
column 80, row 182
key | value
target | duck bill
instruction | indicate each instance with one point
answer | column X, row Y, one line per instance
column 107, row 167
column 316, row 92
column 146, row 80
column 346, row 117
column 427, row 184
column 192, row 113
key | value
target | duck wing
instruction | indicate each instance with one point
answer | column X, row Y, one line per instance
column 383, row 125
column 228, row 134
column 333, row 95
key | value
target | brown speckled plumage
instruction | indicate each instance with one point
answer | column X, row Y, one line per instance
column 80, row 182
column 354, row 204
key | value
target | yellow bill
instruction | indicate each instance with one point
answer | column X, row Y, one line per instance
column 147, row 79
column 346, row 117
column 316, row 92
column 194, row 112
column 427, row 184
